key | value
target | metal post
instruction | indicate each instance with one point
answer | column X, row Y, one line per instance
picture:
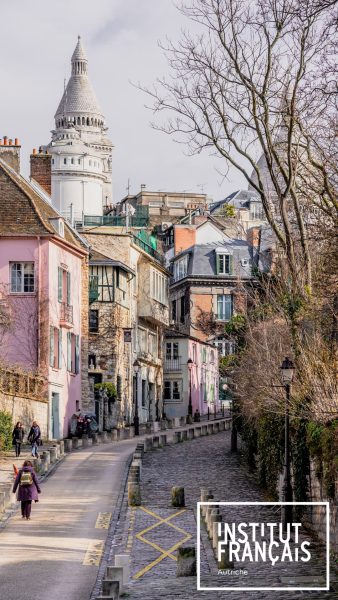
column 136, row 417
column 208, row 413
column 214, row 411
column 190, row 404
column 127, row 218
column 286, row 488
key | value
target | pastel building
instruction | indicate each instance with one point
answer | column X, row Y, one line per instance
column 41, row 266
column 201, row 377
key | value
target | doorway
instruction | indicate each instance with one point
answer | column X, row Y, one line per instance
column 55, row 420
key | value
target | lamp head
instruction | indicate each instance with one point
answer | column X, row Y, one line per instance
column 287, row 369
column 190, row 363
column 136, row 366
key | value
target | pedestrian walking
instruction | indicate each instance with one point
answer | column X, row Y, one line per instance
column 29, row 488
column 35, row 438
column 17, row 437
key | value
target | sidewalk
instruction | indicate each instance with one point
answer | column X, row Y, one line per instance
column 151, row 534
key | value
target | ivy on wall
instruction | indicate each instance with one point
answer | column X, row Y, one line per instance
column 322, row 442
column 6, row 428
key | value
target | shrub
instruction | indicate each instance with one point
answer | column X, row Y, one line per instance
column 6, row 429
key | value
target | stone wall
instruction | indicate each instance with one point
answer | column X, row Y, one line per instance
column 317, row 514
column 26, row 410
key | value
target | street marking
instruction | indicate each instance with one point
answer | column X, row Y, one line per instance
column 164, row 552
column 93, row 554
column 103, row 520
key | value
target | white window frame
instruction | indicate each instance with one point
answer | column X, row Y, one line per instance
column 222, row 260
column 181, row 268
column 22, row 282
column 143, row 339
column 160, row 287
column 180, row 385
column 224, row 304
column 152, row 343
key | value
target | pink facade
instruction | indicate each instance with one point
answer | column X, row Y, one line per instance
column 46, row 335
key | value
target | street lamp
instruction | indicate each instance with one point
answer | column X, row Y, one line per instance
column 190, row 364
column 136, row 367
column 287, row 370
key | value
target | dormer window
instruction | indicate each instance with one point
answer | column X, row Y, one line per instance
column 58, row 225
column 223, row 262
column 181, row 268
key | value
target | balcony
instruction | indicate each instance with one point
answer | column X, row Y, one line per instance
column 148, row 358
column 148, row 249
column 172, row 364
column 66, row 315
column 93, row 288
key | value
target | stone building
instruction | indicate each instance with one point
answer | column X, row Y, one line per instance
column 131, row 295
column 164, row 204
column 246, row 205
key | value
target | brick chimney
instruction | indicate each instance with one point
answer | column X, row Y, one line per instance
column 253, row 237
column 184, row 237
column 10, row 153
column 41, row 170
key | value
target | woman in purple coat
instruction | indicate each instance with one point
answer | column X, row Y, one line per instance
column 29, row 488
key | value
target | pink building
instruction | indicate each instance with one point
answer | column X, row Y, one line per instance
column 201, row 375
column 41, row 264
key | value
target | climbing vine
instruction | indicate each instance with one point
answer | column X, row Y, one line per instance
column 300, row 459
column 270, row 448
column 323, row 447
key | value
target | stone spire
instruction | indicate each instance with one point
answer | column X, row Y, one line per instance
column 79, row 59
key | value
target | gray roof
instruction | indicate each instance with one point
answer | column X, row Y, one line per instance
column 267, row 242
column 238, row 199
column 202, row 261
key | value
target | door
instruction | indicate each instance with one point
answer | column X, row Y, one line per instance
column 55, row 424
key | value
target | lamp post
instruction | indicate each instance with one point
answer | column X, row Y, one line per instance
column 136, row 367
column 287, row 370
column 190, row 364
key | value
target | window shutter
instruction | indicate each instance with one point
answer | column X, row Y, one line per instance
column 205, row 391
column 60, row 273
column 51, row 359
column 212, row 394
column 217, row 264
column 77, row 354
column 60, row 349
column 204, row 354
column 69, row 351
column 68, row 288
column 231, row 269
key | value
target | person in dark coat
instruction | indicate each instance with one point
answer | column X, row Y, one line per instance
column 35, row 438
column 18, row 435
column 27, row 493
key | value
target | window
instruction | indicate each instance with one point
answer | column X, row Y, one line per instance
column 212, row 397
column 52, row 161
column 194, row 353
column 224, row 264
column 160, row 283
column 181, row 268
column 77, row 353
column 91, row 361
column 93, row 321
column 22, row 278
column 224, row 346
column 257, row 213
column 205, row 397
column 51, row 346
column 176, row 204
column 182, row 312
column 171, row 351
column 174, row 310
column 64, row 161
column 224, row 308
column 144, row 392
column 172, row 390
column 212, row 356
column 69, row 350
column 142, row 337
column 155, row 203
column 68, row 289
column 78, row 161
column 204, row 354
column 105, row 282
column 153, row 344
column 72, row 161
column 90, row 163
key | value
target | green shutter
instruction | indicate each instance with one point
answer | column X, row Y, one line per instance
column 69, row 351
column 217, row 263
column 212, row 394
column 231, row 269
column 77, row 354
column 205, row 391
column 60, row 349
column 68, row 288
column 51, row 359
column 204, row 354
column 60, row 273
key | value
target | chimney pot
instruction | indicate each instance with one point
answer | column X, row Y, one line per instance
column 11, row 142
column 16, row 142
column 5, row 140
column 47, row 152
column 34, row 150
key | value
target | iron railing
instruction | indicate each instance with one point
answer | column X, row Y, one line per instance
column 172, row 364
column 114, row 221
column 66, row 312
column 149, row 249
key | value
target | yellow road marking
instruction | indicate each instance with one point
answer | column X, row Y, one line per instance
column 103, row 520
column 164, row 552
column 93, row 554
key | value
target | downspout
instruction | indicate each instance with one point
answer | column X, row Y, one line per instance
column 39, row 299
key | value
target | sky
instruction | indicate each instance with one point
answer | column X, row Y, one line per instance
column 120, row 38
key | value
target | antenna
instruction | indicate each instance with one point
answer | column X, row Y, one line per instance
column 202, row 186
column 128, row 186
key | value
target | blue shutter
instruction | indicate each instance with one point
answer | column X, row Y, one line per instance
column 60, row 274
column 60, row 349
column 77, row 354
column 51, row 358
column 69, row 351
column 68, row 289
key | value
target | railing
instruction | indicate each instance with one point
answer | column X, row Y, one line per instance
column 177, row 278
column 21, row 384
column 139, row 219
column 148, row 249
column 66, row 312
column 93, row 288
column 172, row 364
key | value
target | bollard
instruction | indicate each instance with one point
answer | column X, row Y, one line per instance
column 191, row 434
column 75, row 443
column 212, row 517
column 99, row 438
column 182, row 421
column 84, row 440
column 205, row 494
column 163, row 425
column 140, row 450
column 149, row 444
column 57, row 448
column 46, row 456
column 175, row 437
column 170, row 423
column 222, row 553
column 177, row 497
column 221, row 425
column 134, row 495
column 184, row 435
column 148, row 428
column 204, row 508
column 2, row 502
column 156, row 426
column 216, row 427
column 131, row 431
column 122, row 433
column 176, row 422
column 210, row 428
column 114, row 435
column 62, row 447
column 204, row 429
column 215, row 531
column 104, row 437
column 189, row 420
column 163, row 440
column 197, row 432
column 111, row 589
column 68, row 445
column 95, row 440
column 227, row 424
column 113, row 574
column 155, row 441
column 186, row 561
column 52, row 454
column 121, row 560
column 6, row 489
column 137, row 463
column 37, row 466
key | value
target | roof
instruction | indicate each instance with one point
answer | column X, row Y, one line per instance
column 79, row 53
column 101, row 259
column 170, row 333
column 239, row 199
column 24, row 210
column 202, row 262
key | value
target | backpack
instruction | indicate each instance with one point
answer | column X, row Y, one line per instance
column 26, row 478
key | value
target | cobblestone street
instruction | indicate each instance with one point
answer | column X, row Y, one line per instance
column 151, row 534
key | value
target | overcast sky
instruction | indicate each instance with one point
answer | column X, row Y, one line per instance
column 120, row 38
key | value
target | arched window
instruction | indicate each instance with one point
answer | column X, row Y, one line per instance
column 92, row 121
column 88, row 121
column 90, row 163
column 78, row 121
column 95, row 122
